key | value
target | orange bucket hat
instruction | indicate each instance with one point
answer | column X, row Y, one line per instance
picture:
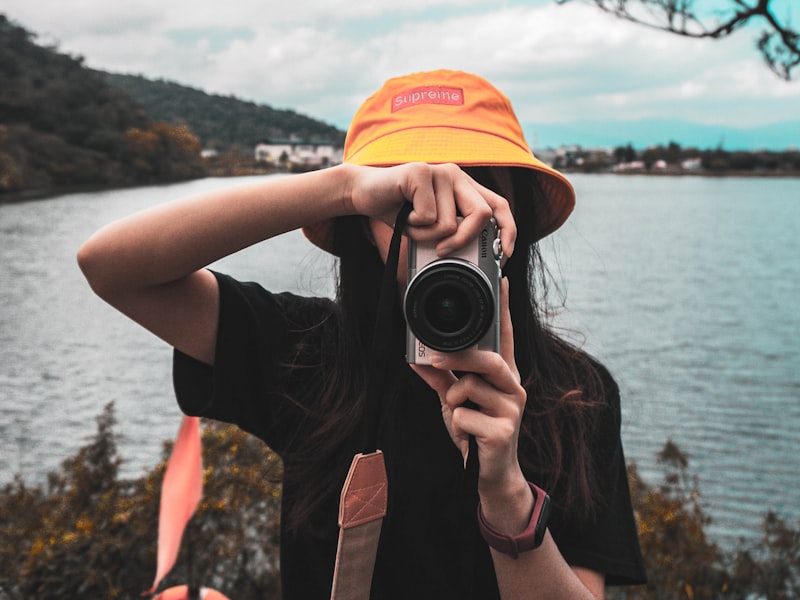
column 446, row 117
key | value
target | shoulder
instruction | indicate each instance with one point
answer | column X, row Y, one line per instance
column 611, row 393
column 298, row 312
column 603, row 395
column 260, row 326
column 581, row 370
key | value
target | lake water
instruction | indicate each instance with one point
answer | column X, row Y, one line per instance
column 687, row 288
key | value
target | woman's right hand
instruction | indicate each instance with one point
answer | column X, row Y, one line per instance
column 438, row 193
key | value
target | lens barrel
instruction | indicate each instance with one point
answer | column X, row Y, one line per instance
column 449, row 305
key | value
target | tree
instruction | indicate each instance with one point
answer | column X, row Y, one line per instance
column 778, row 42
column 87, row 533
column 625, row 154
column 65, row 125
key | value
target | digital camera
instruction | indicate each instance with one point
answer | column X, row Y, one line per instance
column 451, row 302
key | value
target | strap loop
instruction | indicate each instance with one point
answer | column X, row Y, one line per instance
column 361, row 510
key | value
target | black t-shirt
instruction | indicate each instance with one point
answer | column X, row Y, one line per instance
column 425, row 541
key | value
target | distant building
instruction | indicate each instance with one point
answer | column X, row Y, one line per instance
column 634, row 165
column 660, row 165
column 692, row 164
column 298, row 152
column 576, row 158
column 546, row 155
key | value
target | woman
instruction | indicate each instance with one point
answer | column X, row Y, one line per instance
column 300, row 372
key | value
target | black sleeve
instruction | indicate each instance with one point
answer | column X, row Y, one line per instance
column 257, row 381
column 609, row 541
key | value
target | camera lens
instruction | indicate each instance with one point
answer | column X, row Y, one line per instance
column 449, row 305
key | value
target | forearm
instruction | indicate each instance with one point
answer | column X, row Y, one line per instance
column 171, row 241
column 539, row 573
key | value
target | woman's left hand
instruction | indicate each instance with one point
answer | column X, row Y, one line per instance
column 492, row 384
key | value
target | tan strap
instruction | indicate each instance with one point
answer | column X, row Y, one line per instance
column 362, row 507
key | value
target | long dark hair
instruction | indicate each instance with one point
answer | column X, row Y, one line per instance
column 563, row 386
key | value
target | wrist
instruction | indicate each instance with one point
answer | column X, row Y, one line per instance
column 347, row 175
column 530, row 538
column 352, row 195
column 507, row 506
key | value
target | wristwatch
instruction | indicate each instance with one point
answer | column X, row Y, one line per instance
column 529, row 539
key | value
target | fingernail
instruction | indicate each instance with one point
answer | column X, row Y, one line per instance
column 436, row 358
column 444, row 251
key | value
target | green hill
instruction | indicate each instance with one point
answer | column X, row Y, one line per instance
column 63, row 125
column 224, row 123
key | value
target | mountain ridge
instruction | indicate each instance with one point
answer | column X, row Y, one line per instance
column 220, row 122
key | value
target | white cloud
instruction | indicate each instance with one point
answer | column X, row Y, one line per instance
column 557, row 63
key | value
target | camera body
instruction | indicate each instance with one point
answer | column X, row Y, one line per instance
column 452, row 303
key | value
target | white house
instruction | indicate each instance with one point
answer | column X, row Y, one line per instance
column 300, row 152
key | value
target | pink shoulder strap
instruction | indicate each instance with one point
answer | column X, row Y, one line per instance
column 362, row 506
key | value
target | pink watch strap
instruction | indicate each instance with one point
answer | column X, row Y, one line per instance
column 527, row 540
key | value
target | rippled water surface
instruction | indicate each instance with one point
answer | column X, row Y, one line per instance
column 687, row 288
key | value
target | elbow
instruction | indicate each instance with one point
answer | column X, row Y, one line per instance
column 94, row 264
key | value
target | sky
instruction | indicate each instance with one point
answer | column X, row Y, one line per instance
column 561, row 65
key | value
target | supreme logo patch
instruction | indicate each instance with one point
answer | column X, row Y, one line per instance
column 429, row 94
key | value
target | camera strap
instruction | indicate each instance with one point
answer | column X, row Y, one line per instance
column 365, row 494
column 380, row 357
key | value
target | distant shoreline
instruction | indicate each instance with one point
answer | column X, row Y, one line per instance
column 746, row 174
column 32, row 195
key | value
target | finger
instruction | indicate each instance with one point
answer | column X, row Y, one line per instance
column 475, row 212
column 473, row 208
column 491, row 366
column 434, row 213
column 503, row 215
column 506, row 328
column 446, row 213
column 468, row 421
column 439, row 381
column 474, row 393
column 507, row 225
column 418, row 187
column 461, row 440
column 497, row 440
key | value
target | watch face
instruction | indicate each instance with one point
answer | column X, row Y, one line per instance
column 544, row 516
